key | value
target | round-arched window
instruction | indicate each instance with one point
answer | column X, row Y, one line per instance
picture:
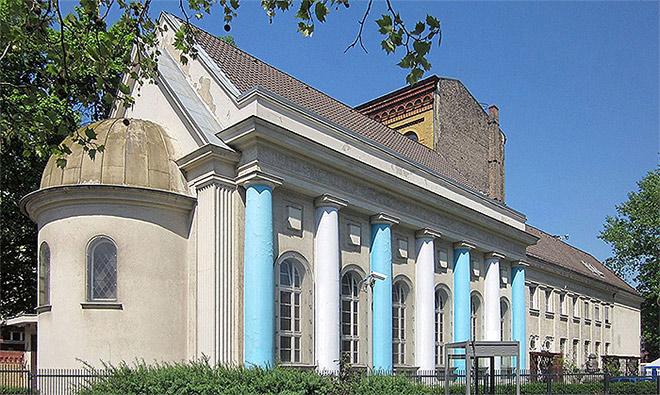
column 290, row 311
column 399, row 296
column 350, row 316
column 44, row 275
column 102, row 270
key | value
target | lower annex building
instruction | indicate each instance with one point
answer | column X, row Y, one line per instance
column 241, row 215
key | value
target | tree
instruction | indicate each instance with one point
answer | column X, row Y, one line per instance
column 634, row 234
column 41, row 104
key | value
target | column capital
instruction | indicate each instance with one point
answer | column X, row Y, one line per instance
column 382, row 218
column 427, row 233
column 326, row 200
column 258, row 177
column 494, row 255
column 519, row 263
column 464, row 245
column 213, row 179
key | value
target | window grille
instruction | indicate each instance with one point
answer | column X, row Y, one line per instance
column 102, row 270
column 350, row 315
column 290, row 295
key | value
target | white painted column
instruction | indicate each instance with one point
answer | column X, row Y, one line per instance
column 327, row 267
column 215, row 302
column 492, row 299
column 425, row 301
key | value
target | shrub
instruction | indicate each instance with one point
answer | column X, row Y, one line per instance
column 200, row 378
column 4, row 390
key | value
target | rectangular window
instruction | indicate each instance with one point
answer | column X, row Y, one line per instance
column 442, row 262
column 549, row 308
column 597, row 313
column 587, row 344
column 607, row 314
column 607, row 348
column 575, row 351
column 562, row 304
column 576, row 307
column 562, row 347
column 586, row 312
column 533, row 304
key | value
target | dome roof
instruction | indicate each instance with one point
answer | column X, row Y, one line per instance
column 136, row 153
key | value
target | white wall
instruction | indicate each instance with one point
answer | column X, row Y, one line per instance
column 152, row 282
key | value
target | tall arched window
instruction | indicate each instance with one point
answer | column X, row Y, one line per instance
column 475, row 317
column 350, row 316
column 102, row 270
column 290, row 311
column 44, row 275
column 441, row 327
column 399, row 296
column 505, row 320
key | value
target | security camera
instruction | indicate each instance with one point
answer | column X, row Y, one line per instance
column 378, row 276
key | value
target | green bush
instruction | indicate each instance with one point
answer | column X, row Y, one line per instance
column 200, row 378
column 4, row 390
column 641, row 388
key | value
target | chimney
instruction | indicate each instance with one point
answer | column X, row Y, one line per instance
column 494, row 112
column 495, row 155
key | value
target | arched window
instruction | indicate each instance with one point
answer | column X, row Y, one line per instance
column 505, row 320
column 102, row 270
column 290, row 310
column 350, row 316
column 412, row 135
column 441, row 324
column 44, row 275
column 475, row 317
column 399, row 296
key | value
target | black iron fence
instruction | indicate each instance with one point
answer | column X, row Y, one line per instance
column 47, row 381
column 567, row 383
column 69, row 381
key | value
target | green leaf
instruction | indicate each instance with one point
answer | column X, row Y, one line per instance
column 321, row 11
column 90, row 133
column 414, row 75
column 433, row 22
column 419, row 28
column 384, row 24
column 388, row 45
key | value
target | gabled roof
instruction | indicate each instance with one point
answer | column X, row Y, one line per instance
column 551, row 250
column 247, row 73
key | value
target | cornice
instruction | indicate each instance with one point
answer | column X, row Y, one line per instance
column 36, row 202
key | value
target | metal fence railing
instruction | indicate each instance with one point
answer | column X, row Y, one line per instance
column 47, row 381
column 14, row 381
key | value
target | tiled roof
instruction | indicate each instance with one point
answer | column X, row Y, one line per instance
column 551, row 250
column 247, row 72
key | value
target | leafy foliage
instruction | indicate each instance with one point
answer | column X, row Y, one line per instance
column 200, row 378
column 634, row 234
column 43, row 101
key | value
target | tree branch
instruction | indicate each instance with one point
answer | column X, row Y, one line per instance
column 358, row 38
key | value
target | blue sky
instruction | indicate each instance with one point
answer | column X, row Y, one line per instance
column 576, row 82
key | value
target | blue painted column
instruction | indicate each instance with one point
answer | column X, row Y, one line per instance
column 461, row 295
column 380, row 258
column 518, row 310
column 258, row 280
